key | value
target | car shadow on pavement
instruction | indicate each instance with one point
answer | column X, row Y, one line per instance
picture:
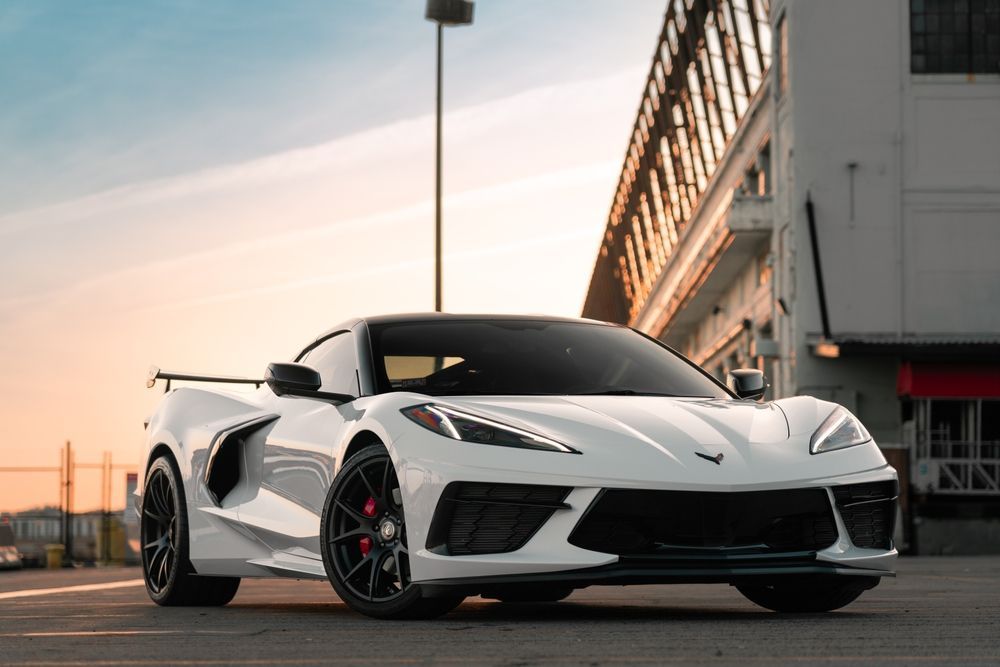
column 489, row 611
column 570, row 611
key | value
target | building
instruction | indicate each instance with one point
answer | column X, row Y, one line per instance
column 97, row 536
column 813, row 188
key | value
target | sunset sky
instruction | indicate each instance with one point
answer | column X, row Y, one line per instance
column 207, row 186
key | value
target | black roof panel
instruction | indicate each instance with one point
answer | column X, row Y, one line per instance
column 405, row 318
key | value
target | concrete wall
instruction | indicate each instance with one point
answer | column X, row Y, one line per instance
column 913, row 247
column 845, row 69
column 914, row 250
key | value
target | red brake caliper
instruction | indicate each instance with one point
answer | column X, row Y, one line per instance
column 366, row 542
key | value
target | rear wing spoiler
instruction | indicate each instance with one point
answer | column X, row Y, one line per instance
column 155, row 373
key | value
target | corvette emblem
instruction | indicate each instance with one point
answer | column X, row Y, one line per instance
column 717, row 459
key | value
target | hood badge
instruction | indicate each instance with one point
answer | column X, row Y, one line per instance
column 717, row 459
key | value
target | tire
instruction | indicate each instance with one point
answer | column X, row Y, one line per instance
column 813, row 594
column 163, row 530
column 370, row 573
column 530, row 593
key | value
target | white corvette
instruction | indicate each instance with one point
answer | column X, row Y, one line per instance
column 415, row 460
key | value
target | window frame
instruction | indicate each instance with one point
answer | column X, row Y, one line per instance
column 300, row 358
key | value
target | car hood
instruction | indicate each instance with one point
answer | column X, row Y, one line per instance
column 636, row 435
column 660, row 422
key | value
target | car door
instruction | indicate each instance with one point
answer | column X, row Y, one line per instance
column 298, row 457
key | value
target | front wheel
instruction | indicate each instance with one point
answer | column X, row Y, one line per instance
column 814, row 594
column 363, row 539
column 163, row 531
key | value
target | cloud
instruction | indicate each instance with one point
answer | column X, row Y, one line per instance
column 381, row 270
column 554, row 101
column 357, row 189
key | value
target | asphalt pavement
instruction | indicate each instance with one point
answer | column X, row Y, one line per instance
column 938, row 611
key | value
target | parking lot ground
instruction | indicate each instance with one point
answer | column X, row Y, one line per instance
column 938, row 611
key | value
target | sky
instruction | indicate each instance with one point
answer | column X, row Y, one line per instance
column 208, row 186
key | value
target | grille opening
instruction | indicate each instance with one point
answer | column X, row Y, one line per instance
column 638, row 522
column 485, row 518
column 869, row 512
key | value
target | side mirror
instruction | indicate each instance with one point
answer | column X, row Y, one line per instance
column 286, row 378
column 748, row 383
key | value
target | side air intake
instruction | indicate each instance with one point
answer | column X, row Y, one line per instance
column 487, row 518
column 222, row 470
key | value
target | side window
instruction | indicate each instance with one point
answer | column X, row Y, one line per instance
column 337, row 363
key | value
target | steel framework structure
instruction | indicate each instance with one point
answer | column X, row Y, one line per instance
column 711, row 59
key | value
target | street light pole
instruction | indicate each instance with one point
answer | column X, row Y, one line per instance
column 437, row 180
column 442, row 12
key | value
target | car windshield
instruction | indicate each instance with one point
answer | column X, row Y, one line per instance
column 518, row 357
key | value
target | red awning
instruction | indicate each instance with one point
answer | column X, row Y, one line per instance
column 925, row 380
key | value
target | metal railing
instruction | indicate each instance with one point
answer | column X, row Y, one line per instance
column 958, row 467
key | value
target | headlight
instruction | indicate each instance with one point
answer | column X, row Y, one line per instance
column 467, row 427
column 841, row 429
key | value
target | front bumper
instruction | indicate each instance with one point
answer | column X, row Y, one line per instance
column 632, row 571
column 550, row 555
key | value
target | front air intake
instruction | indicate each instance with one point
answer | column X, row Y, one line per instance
column 645, row 522
column 869, row 512
column 486, row 518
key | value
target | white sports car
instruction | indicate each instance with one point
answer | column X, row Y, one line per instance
column 414, row 460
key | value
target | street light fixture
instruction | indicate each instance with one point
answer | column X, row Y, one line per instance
column 442, row 12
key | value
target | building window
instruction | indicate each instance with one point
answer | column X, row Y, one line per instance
column 955, row 36
column 782, row 56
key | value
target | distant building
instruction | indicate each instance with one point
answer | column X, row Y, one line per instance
column 33, row 529
column 881, row 122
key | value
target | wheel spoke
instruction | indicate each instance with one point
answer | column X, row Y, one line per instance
column 354, row 534
column 168, row 497
column 402, row 572
column 368, row 485
column 155, row 565
column 155, row 493
column 353, row 513
column 149, row 503
column 162, row 576
column 155, row 543
column 386, row 492
column 377, row 572
column 168, row 562
column 361, row 565
column 160, row 490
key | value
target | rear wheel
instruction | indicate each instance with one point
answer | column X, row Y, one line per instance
column 363, row 538
column 163, row 531
column 813, row 594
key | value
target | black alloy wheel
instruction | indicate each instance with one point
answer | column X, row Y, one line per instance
column 159, row 530
column 363, row 535
column 369, row 548
column 170, row 578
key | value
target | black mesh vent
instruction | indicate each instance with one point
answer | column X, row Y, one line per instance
column 869, row 512
column 628, row 522
column 481, row 518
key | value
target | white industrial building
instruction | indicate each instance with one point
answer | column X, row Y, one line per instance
column 813, row 188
